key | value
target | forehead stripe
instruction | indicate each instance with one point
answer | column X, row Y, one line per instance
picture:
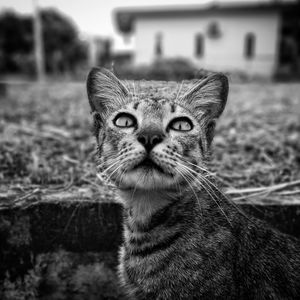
column 173, row 107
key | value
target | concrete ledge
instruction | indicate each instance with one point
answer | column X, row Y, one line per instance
column 67, row 249
column 60, row 250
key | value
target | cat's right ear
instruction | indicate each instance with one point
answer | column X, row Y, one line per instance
column 207, row 98
column 106, row 92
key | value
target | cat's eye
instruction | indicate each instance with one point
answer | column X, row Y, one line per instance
column 181, row 124
column 124, row 120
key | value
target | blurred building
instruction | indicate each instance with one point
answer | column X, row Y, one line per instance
column 254, row 38
column 99, row 50
column 122, row 50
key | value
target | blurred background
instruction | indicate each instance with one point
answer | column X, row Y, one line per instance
column 60, row 226
column 167, row 40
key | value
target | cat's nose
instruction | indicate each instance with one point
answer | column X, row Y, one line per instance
column 150, row 141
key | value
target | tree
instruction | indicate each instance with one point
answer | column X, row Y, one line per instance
column 62, row 46
column 63, row 50
column 16, row 40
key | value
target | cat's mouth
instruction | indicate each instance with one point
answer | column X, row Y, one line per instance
column 148, row 164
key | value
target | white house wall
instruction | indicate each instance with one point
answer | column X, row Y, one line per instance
column 222, row 54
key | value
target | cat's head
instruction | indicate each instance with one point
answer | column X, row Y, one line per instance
column 152, row 144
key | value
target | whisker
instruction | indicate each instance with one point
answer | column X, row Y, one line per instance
column 211, row 184
column 112, row 155
column 115, row 170
column 104, row 174
column 186, row 179
column 200, row 168
column 119, row 177
column 231, row 202
column 114, row 163
column 208, row 189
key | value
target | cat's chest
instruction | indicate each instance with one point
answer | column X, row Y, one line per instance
column 173, row 274
column 172, row 253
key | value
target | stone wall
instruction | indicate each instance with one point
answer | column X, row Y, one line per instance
column 68, row 249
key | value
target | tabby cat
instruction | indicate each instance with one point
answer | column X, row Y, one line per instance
column 183, row 239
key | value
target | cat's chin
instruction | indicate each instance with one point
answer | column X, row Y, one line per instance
column 147, row 179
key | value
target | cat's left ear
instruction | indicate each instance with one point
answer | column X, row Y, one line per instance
column 105, row 91
column 207, row 98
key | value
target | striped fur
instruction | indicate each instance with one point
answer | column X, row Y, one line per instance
column 183, row 239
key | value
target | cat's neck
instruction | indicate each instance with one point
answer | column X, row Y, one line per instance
column 143, row 204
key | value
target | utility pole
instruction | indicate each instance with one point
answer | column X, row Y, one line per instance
column 38, row 43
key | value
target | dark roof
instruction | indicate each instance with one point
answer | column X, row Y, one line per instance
column 125, row 16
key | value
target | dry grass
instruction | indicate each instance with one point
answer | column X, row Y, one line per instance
column 46, row 144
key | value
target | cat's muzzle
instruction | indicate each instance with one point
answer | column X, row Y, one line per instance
column 149, row 165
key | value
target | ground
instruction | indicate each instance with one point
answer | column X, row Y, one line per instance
column 64, row 247
column 47, row 145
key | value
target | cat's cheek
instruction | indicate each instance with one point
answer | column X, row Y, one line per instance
column 113, row 137
column 195, row 156
column 107, row 151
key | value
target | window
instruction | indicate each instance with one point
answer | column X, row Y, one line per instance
column 158, row 45
column 199, row 45
column 249, row 45
column 214, row 30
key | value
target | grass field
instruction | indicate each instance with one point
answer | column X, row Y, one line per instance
column 46, row 143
